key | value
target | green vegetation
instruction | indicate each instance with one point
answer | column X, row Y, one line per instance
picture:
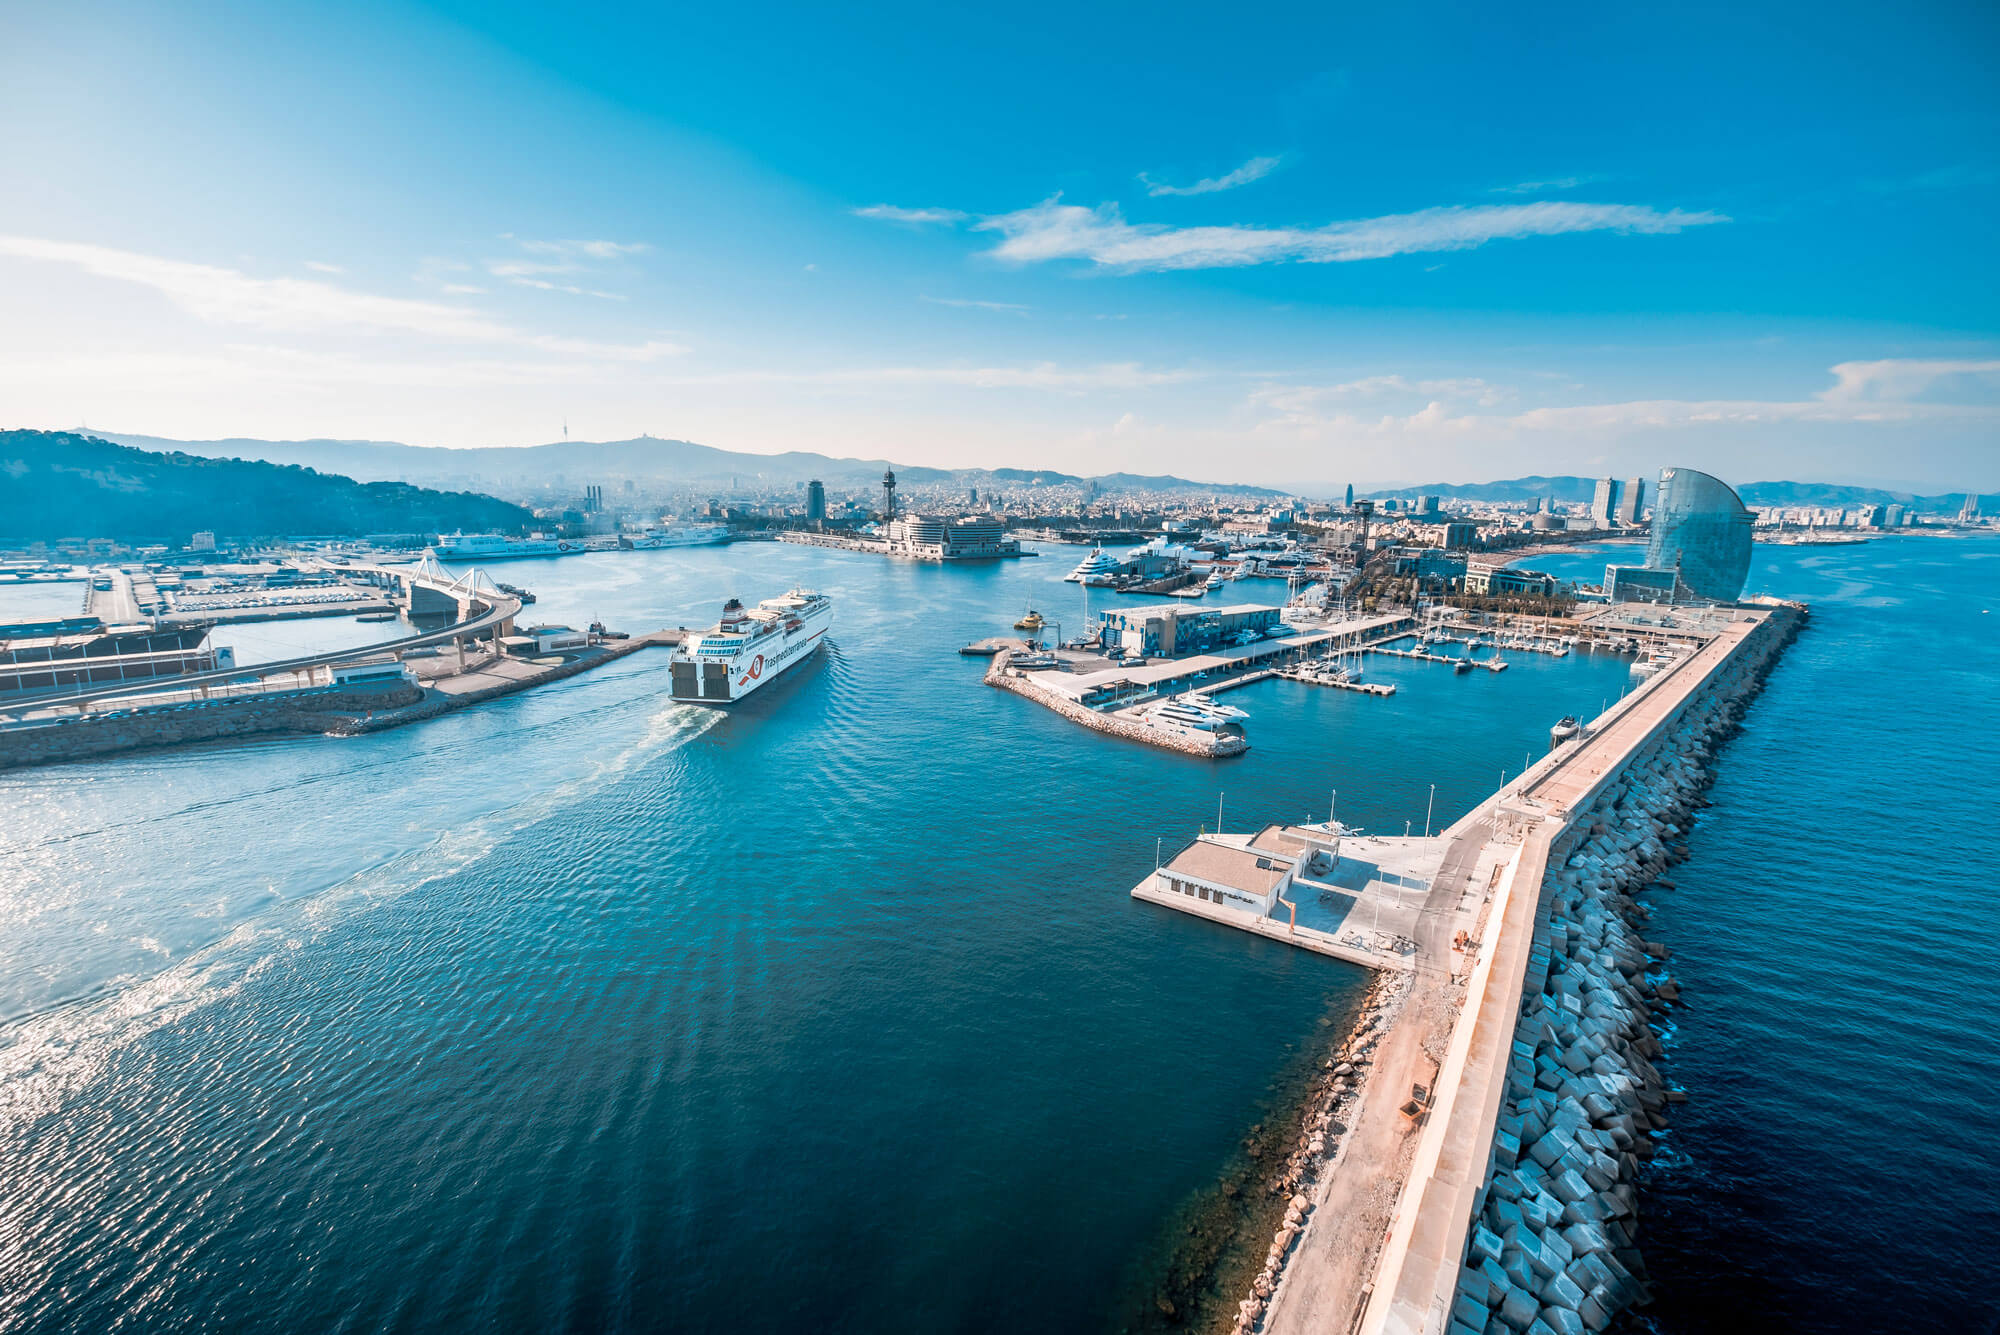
column 58, row 484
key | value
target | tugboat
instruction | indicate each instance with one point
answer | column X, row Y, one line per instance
column 1032, row 621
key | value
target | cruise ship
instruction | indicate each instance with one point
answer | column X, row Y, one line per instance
column 749, row 647
column 498, row 547
column 679, row 535
column 1096, row 568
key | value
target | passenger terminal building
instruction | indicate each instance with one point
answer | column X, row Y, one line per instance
column 1174, row 632
column 930, row 538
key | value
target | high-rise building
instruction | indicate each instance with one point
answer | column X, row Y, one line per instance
column 815, row 500
column 1702, row 530
column 1604, row 504
column 1350, row 495
column 1633, row 503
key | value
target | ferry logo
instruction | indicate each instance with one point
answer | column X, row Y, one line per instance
column 756, row 671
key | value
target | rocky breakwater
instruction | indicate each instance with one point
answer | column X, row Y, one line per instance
column 313, row 710
column 1118, row 725
column 1553, row 1249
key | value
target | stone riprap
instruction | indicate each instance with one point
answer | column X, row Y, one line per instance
column 313, row 710
column 1553, row 1248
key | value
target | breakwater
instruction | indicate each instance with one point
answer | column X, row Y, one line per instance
column 322, row 709
column 1523, row 1217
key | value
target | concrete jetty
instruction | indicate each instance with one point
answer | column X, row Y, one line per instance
column 1481, row 1177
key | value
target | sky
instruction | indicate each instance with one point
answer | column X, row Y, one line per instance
column 1298, row 246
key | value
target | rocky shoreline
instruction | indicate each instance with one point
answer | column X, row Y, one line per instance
column 1323, row 1126
column 1554, row 1245
column 1261, row 1202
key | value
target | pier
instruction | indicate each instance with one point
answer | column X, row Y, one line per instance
column 1386, row 1241
column 1425, row 655
column 1108, row 696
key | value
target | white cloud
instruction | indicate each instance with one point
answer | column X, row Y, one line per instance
column 596, row 250
column 1854, row 400
column 571, row 288
column 891, row 213
column 1896, row 379
column 321, row 266
column 1008, row 307
column 1539, row 187
column 1041, row 375
column 1254, row 170
column 1053, row 230
column 298, row 305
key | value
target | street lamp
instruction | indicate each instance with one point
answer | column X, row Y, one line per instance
column 1428, row 808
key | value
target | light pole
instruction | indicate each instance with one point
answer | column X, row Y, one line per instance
column 1428, row 808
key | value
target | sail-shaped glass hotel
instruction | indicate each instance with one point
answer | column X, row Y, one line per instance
column 1701, row 528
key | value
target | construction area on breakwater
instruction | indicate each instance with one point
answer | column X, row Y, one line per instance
column 1469, row 1163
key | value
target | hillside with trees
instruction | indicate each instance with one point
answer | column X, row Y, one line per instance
column 61, row 484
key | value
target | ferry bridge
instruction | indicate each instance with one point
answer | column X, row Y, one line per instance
column 479, row 608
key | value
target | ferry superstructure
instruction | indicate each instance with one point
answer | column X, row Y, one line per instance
column 499, row 547
column 749, row 647
column 677, row 535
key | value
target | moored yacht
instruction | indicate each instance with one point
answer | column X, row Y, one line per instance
column 1194, row 710
column 1099, row 563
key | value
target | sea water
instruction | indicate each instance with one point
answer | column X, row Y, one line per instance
column 585, row 1009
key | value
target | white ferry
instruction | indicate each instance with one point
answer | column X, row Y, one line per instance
column 748, row 648
column 498, row 547
column 1099, row 566
column 682, row 535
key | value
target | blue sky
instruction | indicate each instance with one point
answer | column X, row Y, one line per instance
column 1299, row 246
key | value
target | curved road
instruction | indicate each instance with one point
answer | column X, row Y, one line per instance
column 501, row 609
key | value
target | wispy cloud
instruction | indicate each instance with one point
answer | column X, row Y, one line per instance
column 1542, row 187
column 300, row 305
column 1895, row 380
column 1254, row 170
column 595, row 250
column 1040, row 375
column 1008, row 307
column 321, row 266
column 1053, row 230
column 1864, row 392
column 1958, row 176
column 544, row 285
column 892, row 213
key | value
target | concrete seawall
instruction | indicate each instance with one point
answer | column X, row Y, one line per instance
column 1209, row 748
column 1519, row 1213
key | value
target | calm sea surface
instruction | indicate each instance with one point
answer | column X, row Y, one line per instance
column 586, row 1010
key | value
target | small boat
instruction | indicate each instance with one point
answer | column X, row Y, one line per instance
column 1462, row 666
column 378, row 616
column 1566, row 729
column 1032, row 621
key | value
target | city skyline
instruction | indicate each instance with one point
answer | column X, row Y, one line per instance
column 1382, row 249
